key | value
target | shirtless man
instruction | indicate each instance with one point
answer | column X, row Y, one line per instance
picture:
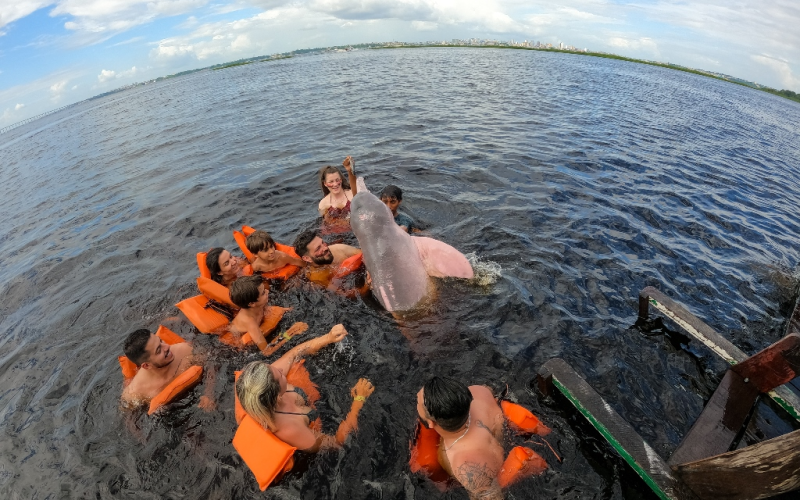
column 470, row 424
column 323, row 260
column 159, row 363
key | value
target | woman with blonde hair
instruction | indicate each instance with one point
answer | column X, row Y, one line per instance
column 283, row 409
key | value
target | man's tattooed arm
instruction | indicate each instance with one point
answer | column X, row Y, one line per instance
column 479, row 481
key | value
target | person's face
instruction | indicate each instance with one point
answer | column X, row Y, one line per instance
column 159, row 353
column 318, row 252
column 391, row 202
column 333, row 182
column 227, row 263
column 263, row 296
column 421, row 413
column 267, row 254
column 280, row 377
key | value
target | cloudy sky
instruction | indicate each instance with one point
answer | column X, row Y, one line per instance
column 55, row 52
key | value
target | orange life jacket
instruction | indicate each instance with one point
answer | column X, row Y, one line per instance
column 267, row 456
column 209, row 321
column 179, row 385
column 520, row 463
column 283, row 273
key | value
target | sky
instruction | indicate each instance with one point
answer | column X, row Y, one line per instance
column 57, row 52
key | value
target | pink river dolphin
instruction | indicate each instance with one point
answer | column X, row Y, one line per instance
column 400, row 265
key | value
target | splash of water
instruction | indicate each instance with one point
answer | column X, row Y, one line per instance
column 487, row 272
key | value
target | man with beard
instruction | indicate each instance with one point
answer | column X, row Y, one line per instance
column 159, row 364
column 323, row 259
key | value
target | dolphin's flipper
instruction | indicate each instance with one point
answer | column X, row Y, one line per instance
column 441, row 260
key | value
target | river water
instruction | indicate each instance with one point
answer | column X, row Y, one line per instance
column 575, row 182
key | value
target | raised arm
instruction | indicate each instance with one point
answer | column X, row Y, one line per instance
column 349, row 164
column 309, row 347
column 310, row 441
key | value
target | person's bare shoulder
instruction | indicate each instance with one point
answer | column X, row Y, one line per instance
column 344, row 250
column 324, row 203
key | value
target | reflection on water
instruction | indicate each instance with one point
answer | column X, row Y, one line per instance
column 574, row 181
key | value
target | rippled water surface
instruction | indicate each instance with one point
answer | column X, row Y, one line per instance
column 582, row 179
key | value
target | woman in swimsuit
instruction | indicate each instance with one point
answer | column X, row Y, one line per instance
column 283, row 409
column 224, row 267
column 335, row 205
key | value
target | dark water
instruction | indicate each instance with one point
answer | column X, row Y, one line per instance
column 583, row 179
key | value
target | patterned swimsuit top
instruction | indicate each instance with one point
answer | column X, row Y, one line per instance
column 339, row 213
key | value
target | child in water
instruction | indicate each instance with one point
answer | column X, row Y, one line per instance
column 392, row 196
column 268, row 258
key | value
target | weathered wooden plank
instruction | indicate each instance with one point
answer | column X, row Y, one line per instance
column 721, row 420
column 557, row 374
column 692, row 325
column 776, row 365
column 759, row 471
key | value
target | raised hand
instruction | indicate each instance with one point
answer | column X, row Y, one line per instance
column 363, row 388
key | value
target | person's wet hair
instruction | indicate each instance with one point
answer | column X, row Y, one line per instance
column 259, row 241
column 258, row 392
column 135, row 345
column 212, row 263
column 303, row 239
column 447, row 402
column 330, row 169
column 391, row 191
column 244, row 291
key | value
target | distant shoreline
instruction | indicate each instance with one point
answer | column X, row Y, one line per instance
column 787, row 94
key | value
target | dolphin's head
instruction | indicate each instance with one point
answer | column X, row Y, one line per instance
column 368, row 214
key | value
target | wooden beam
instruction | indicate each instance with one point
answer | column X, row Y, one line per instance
column 763, row 470
column 720, row 422
column 556, row 374
column 692, row 325
column 776, row 365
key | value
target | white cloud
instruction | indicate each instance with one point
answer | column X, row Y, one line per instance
column 108, row 74
column 782, row 69
column 97, row 20
column 58, row 87
column 424, row 25
column 17, row 9
column 18, row 107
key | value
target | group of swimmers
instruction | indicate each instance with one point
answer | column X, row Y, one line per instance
column 468, row 420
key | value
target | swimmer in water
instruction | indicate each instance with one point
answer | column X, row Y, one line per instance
column 224, row 267
column 470, row 425
column 251, row 295
column 282, row 408
column 268, row 257
column 392, row 197
column 323, row 260
column 159, row 364
column 335, row 204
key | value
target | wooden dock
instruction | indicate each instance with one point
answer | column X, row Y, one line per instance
column 705, row 465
